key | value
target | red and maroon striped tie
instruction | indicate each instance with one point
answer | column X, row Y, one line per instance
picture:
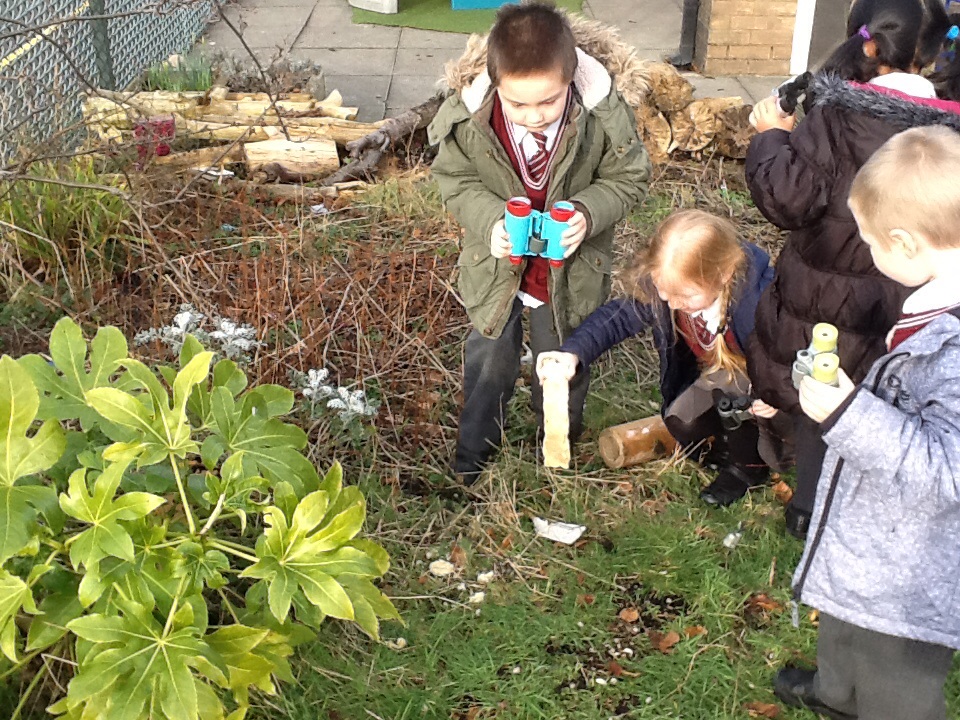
column 537, row 164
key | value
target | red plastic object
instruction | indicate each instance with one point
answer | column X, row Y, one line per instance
column 515, row 259
column 562, row 214
column 153, row 136
column 519, row 206
column 556, row 263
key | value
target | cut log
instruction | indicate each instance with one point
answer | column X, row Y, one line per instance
column 309, row 158
column 670, row 91
column 736, row 132
column 203, row 158
column 655, row 132
column 212, row 132
column 697, row 125
column 296, row 193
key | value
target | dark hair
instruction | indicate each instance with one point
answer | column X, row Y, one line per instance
column 933, row 31
column 893, row 26
column 530, row 39
column 946, row 75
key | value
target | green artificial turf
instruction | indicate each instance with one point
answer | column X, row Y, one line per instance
column 439, row 15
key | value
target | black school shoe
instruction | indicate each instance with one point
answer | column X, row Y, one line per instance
column 732, row 483
column 798, row 522
column 794, row 686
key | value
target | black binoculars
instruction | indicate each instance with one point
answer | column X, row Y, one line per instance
column 733, row 410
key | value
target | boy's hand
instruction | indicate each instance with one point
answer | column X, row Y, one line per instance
column 766, row 116
column 554, row 364
column 760, row 409
column 500, row 246
column 819, row 401
column 574, row 234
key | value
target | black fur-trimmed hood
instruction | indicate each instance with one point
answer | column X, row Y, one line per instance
column 894, row 108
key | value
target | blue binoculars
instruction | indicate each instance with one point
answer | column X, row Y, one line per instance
column 535, row 233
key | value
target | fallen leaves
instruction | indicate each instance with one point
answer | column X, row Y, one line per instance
column 585, row 600
column 761, row 709
column 759, row 607
column 629, row 615
column 458, row 556
column 663, row 642
column 694, row 631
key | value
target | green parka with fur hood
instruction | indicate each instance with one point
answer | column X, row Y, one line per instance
column 602, row 167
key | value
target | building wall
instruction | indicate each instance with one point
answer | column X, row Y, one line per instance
column 745, row 37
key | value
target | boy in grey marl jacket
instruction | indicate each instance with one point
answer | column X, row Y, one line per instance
column 882, row 560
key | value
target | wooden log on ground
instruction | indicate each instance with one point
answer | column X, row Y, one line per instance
column 309, row 158
column 696, row 126
column 295, row 193
column 368, row 150
column 203, row 158
column 670, row 91
column 655, row 132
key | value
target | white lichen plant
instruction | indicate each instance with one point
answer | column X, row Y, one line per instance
column 236, row 341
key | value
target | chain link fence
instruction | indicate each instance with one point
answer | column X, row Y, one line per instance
column 52, row 51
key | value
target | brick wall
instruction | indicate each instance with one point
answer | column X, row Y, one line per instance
column 745, row 37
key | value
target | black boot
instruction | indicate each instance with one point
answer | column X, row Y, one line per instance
column 795, row 687
column 743, row 470
column 683, row 58
column 798, row 521
column 732, row 483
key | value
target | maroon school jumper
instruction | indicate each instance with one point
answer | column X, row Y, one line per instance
column 536, row 275
column 694, row 332
column 912, row 323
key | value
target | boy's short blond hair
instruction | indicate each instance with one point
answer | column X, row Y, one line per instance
column 911, row 184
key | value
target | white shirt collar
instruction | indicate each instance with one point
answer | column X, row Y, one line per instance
column 939, row 293
column 526, row 141
column 712, row 317
column 908, row 83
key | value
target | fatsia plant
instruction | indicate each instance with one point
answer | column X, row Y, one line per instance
column 163, row 533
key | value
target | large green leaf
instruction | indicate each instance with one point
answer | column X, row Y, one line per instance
column 103, row 510
column 252, row 656
column 22, row 456
column 308, row 553
column 14, row 595
column 158, row 426
column 270, row 447
column 65, row 382
column 137, row 661
column 19, row 402
column 50, row 625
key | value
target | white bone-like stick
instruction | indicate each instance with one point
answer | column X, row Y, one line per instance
column 556, row 417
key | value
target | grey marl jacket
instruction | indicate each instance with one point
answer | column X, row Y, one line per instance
column 883, row 551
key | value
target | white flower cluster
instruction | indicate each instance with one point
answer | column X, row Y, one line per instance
column 235, row 340
column 350, row 403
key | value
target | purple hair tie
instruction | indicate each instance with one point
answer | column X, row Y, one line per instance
column 864, row 33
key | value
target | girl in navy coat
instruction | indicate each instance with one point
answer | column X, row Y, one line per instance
column 696, row 287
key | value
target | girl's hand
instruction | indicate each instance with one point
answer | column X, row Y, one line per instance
column 760, row 409
column 574, row 234
column 557, row 364
column 819, row 400
column 500, row 246
column 766, row 116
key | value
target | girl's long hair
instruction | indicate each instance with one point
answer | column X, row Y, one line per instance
column 901, row 31
column 693, row 247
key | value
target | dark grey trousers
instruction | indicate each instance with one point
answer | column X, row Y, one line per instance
column 873, row 676
column 810, row 449
column 490, row 370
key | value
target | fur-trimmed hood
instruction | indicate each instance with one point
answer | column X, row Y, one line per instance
column 899, row 110
column 595, row 41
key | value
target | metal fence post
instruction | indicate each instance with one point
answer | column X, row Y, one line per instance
column 100, row 32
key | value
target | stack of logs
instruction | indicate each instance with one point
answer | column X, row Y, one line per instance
column 672, row 121
column 295, row 134
column 296, row 138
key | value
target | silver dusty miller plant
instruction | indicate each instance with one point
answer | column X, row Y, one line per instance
column 236, row 341
column 350, row 403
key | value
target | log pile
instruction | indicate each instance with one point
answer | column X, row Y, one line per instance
column 669, row 119
column 293, row 137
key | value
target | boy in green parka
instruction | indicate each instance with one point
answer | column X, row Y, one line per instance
column 543, row 121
